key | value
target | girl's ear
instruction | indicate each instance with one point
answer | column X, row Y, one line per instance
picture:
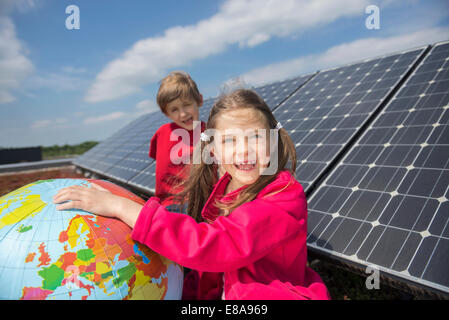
column 201, row 102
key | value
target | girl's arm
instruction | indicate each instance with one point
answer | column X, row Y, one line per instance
column 244, row 236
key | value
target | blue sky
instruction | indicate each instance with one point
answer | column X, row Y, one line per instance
column 61, row 86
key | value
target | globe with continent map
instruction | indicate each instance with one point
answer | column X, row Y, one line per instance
column 73, row 254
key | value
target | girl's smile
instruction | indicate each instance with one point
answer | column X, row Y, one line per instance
column 245, row 166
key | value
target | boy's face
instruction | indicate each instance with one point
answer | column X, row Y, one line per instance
column 183, row 112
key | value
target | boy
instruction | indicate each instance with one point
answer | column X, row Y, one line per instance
column 179, row 99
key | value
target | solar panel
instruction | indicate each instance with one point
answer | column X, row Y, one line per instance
column 386, row 202
column 330, row 109
column 134, row 155
column 114, row 151
column 93, row 158
column 85, row 159
column 275, row 93
column 117, row 147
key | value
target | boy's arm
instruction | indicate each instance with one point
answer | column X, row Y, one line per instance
column 153, row 146
column 244, row 236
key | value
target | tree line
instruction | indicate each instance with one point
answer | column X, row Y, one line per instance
column 67, row 150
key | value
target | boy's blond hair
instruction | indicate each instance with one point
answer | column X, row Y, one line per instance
column 176, row 85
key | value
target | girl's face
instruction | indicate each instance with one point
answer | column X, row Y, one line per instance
column 241, row 145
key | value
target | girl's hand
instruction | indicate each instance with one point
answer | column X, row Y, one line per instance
column 96, row 200
column 99, row 201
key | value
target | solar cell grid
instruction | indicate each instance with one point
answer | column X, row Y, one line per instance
column 89, row 159
column 84, row 160
column 146, row 179
column 275, row 93
column 329, row 110
column 386, row 202
column 116, row 149
column 132, row 163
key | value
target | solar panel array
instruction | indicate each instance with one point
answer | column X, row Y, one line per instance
column 386, row 203
column 329, row 110
column 372, row 154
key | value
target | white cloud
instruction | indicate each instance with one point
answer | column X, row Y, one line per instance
column 245, row 23
column 342, row 54
column 49, row 123
column 6, row 6
column 146, row 106
column 14, row 65
column 104, row 118
column 41, row 124
column 65, row 81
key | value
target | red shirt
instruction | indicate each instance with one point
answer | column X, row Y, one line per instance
column 260, row 247
column 171, row 172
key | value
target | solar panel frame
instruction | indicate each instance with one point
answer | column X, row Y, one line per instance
column 376, row 225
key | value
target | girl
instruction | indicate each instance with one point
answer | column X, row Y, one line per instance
column 245, row 235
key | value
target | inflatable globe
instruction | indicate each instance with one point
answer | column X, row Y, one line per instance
column 73, row 254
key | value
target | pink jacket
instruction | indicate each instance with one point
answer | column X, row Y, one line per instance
column 260, row 246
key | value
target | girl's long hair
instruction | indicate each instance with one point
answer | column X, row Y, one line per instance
column 203, row 176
